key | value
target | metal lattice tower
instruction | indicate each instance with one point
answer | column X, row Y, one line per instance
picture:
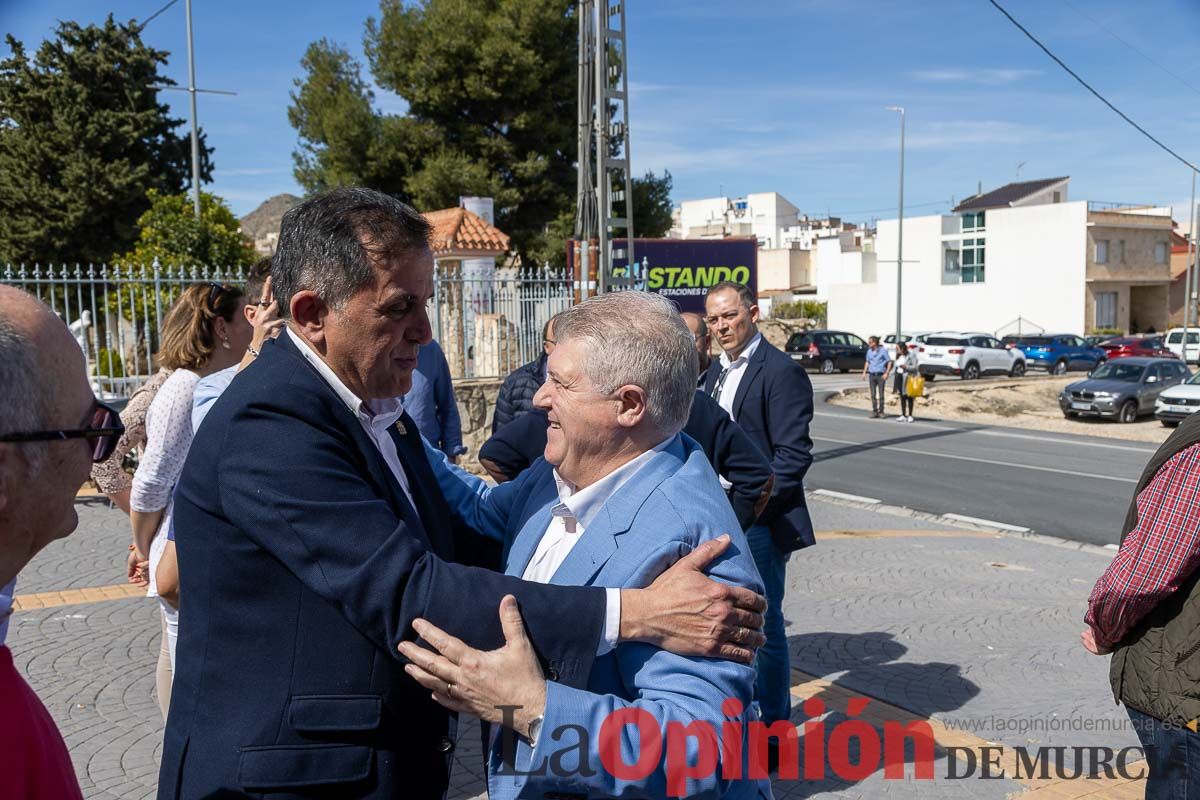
column 604, row 210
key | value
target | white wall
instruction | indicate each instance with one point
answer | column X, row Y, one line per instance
column 697, row 213
column 1036, row 269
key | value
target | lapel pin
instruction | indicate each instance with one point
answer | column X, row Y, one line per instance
column 400, row 427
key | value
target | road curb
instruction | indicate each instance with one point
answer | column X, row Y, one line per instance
column 963, row 523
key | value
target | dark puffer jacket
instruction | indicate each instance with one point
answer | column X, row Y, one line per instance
column 517, row 391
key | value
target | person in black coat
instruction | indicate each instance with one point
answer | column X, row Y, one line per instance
column 518, row 389
column 771, row 399
column 732, row 454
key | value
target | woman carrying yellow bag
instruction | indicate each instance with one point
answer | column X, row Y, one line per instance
column 914, row 383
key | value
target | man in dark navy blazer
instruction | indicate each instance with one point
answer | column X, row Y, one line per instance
column 771, row 399
column 310, row 534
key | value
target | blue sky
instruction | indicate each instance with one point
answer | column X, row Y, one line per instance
column 758, row 95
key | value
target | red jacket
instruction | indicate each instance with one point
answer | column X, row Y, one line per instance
column 34, row 763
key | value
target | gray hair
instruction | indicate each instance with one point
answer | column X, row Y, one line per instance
column 328, row 242
column 639, row 339
column 21, row 397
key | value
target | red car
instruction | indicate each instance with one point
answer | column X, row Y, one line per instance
column 1145, row 346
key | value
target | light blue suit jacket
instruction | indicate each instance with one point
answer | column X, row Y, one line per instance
column 668, row 507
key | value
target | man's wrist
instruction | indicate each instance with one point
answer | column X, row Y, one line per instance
column 631, row 609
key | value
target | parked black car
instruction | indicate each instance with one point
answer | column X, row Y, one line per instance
column 827, row 351
column 1124, row 388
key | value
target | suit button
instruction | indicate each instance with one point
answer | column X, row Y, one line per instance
column 552, row 673
column 446, row 745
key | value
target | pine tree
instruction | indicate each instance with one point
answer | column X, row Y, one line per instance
column 83, row 138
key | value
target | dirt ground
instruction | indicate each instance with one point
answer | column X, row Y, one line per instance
column 1030, row 402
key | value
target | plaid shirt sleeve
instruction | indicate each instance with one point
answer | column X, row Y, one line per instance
column 1157, row 556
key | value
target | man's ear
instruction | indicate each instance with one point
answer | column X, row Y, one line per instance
column 632, row 408
column 308, row 315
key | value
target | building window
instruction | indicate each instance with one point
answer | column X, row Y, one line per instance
column 972, row 222
column 1058, row 197
column 952, row 267
column 1106, row 310
column 1160, row 253
column 1102, row 251
column 1120, row 251
column 972, row 260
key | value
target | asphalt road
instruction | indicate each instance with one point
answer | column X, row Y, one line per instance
column 1075, row 487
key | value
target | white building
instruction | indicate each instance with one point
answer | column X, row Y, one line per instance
column 787, row 240
column 1020, row 257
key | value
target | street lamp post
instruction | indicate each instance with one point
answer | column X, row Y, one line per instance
column 900, row 226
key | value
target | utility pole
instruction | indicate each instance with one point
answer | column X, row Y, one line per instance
column 900, row 228
column 195, row 132
column 191, row 90
column 605, row 175
column 1187, row 277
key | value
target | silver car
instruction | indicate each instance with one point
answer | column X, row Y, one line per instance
column 1124, row 388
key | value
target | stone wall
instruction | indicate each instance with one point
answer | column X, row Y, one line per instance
column 476, row 398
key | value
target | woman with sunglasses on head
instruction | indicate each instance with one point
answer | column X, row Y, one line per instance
column 204, row 332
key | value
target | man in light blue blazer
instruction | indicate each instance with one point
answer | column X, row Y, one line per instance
column 620, row 496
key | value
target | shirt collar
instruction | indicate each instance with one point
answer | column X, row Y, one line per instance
column 378, row 413
column 586, row 503
column 744, row 356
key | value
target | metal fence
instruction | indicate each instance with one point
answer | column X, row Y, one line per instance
column 488, row 322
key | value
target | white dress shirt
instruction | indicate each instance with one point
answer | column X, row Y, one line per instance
column 569, row 520
column 376, row 416
column 733, row 371
column 574, row 513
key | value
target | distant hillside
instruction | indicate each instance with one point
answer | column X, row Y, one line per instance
column 267, row 217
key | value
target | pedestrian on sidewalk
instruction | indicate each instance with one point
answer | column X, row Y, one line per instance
column 876, row 370
column 1145, row 610
column 905, row 368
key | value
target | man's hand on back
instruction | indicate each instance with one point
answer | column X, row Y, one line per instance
column 688, row 613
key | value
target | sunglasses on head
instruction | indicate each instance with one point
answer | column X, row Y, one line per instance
column 104, row 429
column 215, row 290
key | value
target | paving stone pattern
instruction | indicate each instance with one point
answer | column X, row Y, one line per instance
column 966, row 628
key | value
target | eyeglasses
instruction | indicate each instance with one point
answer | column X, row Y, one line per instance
column 215, row 290
column 105, row 429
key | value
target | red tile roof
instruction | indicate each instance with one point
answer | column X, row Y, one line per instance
column 459, row 229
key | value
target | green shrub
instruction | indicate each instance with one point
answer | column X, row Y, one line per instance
column 107, row 358
column 801, row 309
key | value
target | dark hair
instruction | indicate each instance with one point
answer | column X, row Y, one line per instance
column 187, row 340
column 256, row 278
column 901, row 347
column 328, row 243
column 874, row 339
column 744, row 294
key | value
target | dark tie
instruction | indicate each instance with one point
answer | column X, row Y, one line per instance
column 716, row 394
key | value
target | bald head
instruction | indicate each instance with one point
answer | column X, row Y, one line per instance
column 43, row 386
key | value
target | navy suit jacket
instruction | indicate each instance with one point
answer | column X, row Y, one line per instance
column 774, row 406
column 519, row 443
column 302, row 566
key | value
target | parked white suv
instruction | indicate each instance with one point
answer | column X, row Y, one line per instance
column 910, row 338
column 1179, row 402
column 968, row 355
column 1175, row 344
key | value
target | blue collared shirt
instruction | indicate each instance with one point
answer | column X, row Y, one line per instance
column 431, row 402
column 877, row 360
column 207, row 391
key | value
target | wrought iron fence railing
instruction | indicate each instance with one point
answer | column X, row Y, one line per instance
column 488, row 322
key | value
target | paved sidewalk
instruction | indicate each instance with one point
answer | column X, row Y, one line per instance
column 961, row 628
